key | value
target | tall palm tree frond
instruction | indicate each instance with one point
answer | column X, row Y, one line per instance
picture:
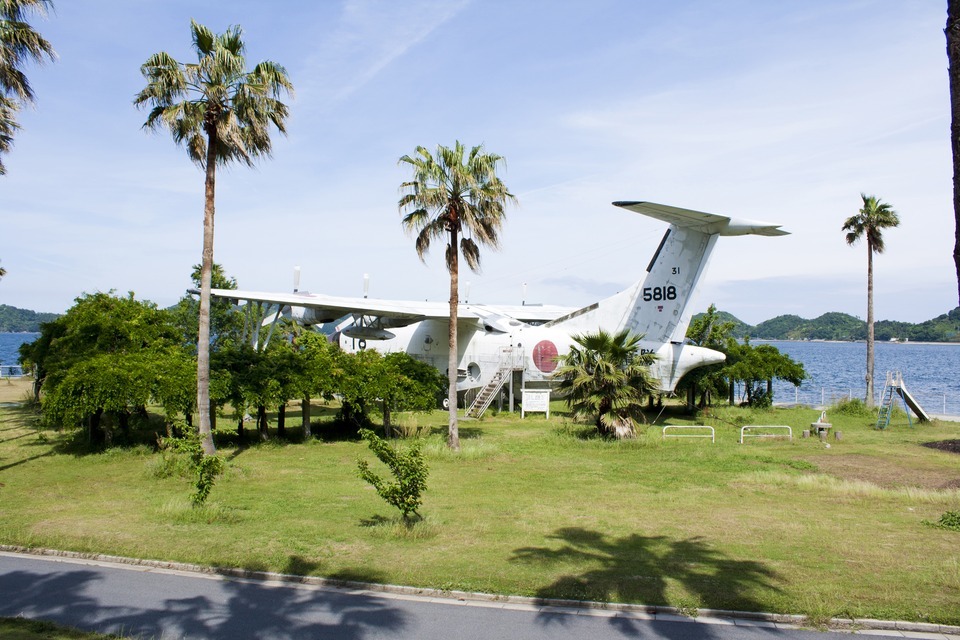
column 19, row 45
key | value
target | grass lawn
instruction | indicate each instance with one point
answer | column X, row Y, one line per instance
column 539, row 508
column 22, row 629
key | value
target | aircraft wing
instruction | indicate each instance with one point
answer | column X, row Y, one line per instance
column 397, row 313
column 329, row 308
column 703, row 222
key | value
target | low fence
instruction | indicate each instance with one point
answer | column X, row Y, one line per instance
column 824, row 397
column 766, row 428
column 12, row 371
column 699, row 432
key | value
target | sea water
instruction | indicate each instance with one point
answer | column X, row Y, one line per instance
column 931, row 370
column 9, row 351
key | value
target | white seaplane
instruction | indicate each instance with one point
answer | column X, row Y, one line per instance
column 497, row 343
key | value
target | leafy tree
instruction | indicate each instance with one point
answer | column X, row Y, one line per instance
column 408, row 468
column 318, row 369
column 454, row 196
column 35, row 355
column 110, row 355
column 419, row 385
column 232, row 368
column 712, row 331
column 757, row 367
column 754, row 366
column 226, row 327
column 605, row 378
column 19, row 44
column 868, row 224
column 360, row 381
column 226, row 322
column 406, row 384
column 221, row 113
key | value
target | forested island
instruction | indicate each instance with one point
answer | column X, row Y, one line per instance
column 829, row 326
column 14, row 320
column 844, row 327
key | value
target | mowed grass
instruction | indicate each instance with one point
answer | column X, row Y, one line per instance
column 23, row 629
column 538, row 508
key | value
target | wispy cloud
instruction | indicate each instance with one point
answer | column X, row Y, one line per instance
column 369, row 37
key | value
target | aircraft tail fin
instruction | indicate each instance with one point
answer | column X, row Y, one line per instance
column 657, row 305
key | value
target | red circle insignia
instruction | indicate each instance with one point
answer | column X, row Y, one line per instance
column 545, row 356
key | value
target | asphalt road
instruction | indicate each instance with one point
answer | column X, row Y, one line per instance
column 159, row 603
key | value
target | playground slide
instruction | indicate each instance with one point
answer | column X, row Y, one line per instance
column 912, row 403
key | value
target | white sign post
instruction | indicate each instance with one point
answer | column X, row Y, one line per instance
column 535, row 400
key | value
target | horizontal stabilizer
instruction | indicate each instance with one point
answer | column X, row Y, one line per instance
column 708, row 223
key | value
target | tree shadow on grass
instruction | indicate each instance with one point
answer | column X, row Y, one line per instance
column 647, row 570
column 4, row 467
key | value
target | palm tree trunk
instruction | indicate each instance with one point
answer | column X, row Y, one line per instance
column 206, row 269
column 953, row 57
column 453, row 433
column 869, row 376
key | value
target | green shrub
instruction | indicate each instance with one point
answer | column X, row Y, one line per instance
column 207, row 468
column 409, row 470
column 854, row 407
column 949, row 520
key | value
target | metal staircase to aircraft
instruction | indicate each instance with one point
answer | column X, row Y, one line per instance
column 510, row 360
column 894, row 386
column 488, row 393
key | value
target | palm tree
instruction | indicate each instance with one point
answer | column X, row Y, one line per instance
column 606, row 378
column 19, row 43
column 454, row 196
column 220, row 113
column 869, row 223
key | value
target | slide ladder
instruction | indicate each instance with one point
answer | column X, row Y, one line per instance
column 894, row 385
column 886, row 405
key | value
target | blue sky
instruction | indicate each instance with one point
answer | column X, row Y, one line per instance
column 777, row 111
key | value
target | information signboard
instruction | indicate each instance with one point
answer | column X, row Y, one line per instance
column 537, row 400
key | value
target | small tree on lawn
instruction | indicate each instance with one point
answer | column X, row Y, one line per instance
column 408, row 468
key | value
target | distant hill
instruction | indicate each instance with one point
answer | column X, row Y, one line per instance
column 14, row 320
column 842, row 326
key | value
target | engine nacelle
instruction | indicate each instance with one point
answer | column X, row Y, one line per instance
column 368, row 333
column 309, row 317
